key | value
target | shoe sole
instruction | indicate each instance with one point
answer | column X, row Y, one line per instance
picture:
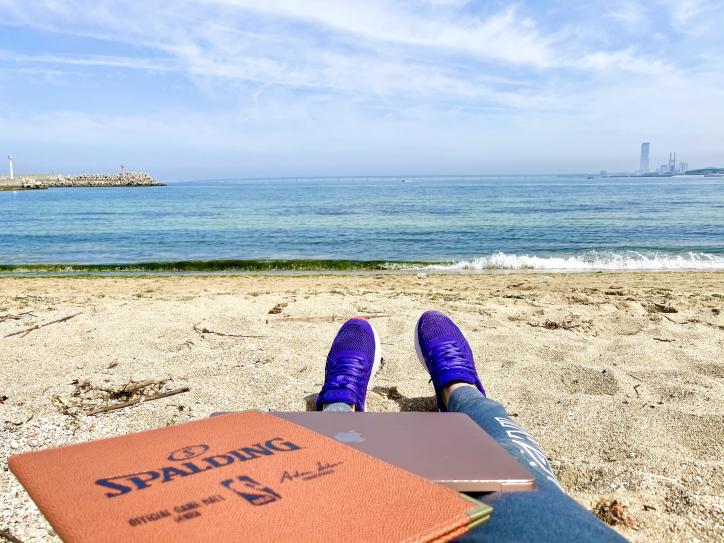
column 420, row 357
column 377, row 362
column 418, row 350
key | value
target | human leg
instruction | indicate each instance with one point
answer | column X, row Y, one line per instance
column 544, row 514
column 492, row 417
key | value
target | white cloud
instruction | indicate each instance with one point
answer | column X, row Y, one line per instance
column 631, row 14
column 504, row 36
column 379, row 63
column 109, row 61
column 685, row 12
column 392, row 42
column 625, row 61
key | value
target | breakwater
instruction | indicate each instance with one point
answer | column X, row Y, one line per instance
column 128, row 179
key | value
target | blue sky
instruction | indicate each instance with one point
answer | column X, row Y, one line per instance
column 242, row 88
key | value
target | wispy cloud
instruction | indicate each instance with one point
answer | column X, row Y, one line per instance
column 107, row 61
column 631, row 14
column 504, row 36
column 626, row 61
column 686, row 15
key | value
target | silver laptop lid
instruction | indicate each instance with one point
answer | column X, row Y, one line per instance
column 448, row 448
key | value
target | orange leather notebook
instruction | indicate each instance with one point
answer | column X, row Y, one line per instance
column 237, row 477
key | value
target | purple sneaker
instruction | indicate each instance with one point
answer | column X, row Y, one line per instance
column 354, row 358
column 445, row 353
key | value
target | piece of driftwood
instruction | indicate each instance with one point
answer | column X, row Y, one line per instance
column 322, row 318
column 23, row 333
column 135, row 401
column 9, row 537
column 16, row 317
column 129, row 389
column 207, row 331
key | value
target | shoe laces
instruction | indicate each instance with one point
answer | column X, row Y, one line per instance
column 345, row 371
column 445, row 356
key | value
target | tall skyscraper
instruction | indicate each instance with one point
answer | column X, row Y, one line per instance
column 644, row 165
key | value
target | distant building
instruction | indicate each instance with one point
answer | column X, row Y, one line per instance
column 684, row 167
column 664, row 168
column 644, row 163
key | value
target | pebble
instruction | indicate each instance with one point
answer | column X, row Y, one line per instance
column 14, row 444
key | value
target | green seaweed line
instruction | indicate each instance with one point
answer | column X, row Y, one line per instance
column 218, row 265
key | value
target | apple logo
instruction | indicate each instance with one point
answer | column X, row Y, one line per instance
column 349, row 437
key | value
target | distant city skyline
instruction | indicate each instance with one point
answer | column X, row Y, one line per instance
column 644, row 161
column 219, row 89
column 670, row 167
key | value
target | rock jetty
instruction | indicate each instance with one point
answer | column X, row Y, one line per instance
column 128, row 179
column 31, row 184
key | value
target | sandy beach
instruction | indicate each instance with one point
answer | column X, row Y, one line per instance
column 617, row 375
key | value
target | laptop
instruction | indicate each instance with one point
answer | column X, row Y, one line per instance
column 448, row 448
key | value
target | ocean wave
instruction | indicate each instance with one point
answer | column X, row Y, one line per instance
column 593, row 260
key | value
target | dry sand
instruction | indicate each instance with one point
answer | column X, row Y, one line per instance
column 618, row 376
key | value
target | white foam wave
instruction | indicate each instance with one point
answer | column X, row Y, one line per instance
column 629, row 260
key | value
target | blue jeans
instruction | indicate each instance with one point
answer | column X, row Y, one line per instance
column 546, row 514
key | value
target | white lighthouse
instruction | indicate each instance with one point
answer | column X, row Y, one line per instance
column 10, row 160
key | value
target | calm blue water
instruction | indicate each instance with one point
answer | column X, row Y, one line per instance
column 605, row 221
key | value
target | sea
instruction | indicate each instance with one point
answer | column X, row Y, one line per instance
column 555, row 223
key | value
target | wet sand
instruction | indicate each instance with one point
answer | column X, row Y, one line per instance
column 617, row 375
